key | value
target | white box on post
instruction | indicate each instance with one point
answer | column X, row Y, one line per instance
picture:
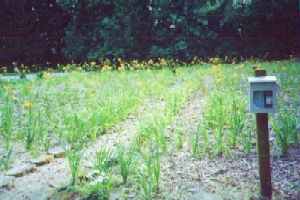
column 263, row 92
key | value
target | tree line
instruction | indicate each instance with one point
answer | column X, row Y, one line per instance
column 57, row 31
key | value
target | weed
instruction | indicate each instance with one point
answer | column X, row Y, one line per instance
column 5, row 159
column 75, row 136
column 125, row 162
column 178, row 139
column 153, row 131
column 201, row 135
column 97, row 191
column 195, row 144
column 285, row 128
column 6, row 128
column 74, row 158
column 103, row 160
column 156, row 169
column 246, row 137
column 30, row 131
column 237, row 119
column 146, row 185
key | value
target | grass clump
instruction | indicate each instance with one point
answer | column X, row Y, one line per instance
column 125, row 161
column 103, row 161
column 285, row 128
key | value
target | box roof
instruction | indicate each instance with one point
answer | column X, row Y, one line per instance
column 263, row 79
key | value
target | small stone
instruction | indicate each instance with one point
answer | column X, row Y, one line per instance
column 21, row 170
column 43, row 160
column 57, row 152
column 6, row 181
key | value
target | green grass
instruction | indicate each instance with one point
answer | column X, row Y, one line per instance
column 76, row 109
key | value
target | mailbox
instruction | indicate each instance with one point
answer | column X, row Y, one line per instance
column 263, row 92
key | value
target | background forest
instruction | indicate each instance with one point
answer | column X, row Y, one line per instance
column 49, row 31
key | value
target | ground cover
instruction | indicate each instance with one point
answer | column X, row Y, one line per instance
column 180, row 133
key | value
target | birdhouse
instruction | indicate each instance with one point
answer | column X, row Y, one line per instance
column 263, row 92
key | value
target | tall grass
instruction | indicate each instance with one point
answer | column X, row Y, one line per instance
column 6, row 128
column 285, row 128
column 75, row 138
column 125, row 161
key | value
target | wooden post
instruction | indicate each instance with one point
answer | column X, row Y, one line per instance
column 263, row 148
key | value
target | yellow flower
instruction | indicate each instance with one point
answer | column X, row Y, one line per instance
column 162, row 61
column 47, row 75
column 150, row 62
column 27, row 104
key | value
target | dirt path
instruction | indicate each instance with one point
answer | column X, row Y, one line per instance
column 45, row 179
column 179, row 170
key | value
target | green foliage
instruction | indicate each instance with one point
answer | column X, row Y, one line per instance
column 149, row 175
column 6, row 126
column 285, row 128
column 74, row 158
column 125, row 159
column 5, row 159
column 183, row 29
column 237, row 118
column 225, row 124
column 178, row 139
column 97, row 191
column 103, row 160
column 75, row 138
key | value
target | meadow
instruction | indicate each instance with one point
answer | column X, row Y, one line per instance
column 145, row 131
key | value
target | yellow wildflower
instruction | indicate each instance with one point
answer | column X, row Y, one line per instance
column 27, row 104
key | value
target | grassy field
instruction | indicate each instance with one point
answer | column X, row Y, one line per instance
column 79, row 109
